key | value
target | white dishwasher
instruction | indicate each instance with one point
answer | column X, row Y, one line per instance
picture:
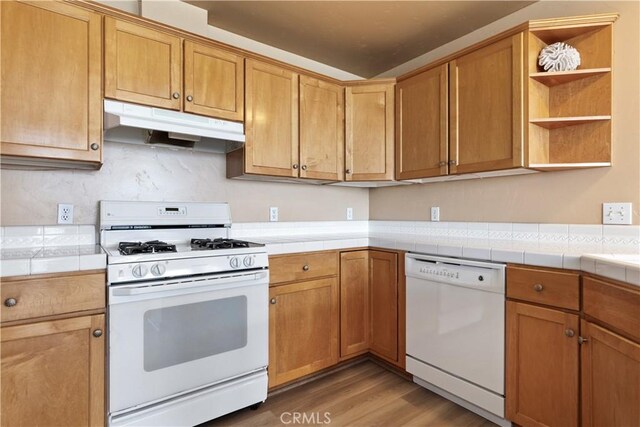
column 455, row 330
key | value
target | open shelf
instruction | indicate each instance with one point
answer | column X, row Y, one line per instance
column 561, row 77
column 560, row 122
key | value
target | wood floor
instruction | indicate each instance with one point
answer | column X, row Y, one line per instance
column 361, row 395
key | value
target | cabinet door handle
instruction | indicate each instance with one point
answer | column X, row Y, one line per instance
column 189, row 98
column 305, row 268
column 442, row 164
column 569, row 332
column 303, row 167
column 295, row 166
column 538, row 287
column 10, row 302
column 582, row 340
column 95, row 146
column 272, row 301
column 97, row 333
column 452, row 162
column 176, row 95
column 347, row 171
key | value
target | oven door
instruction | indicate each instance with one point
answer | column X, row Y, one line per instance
column 174, row 336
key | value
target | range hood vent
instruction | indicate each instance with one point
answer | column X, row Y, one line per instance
column 137, row 124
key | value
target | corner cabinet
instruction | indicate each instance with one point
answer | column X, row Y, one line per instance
column 486, row 117
column 369, row 138
column 51, row 55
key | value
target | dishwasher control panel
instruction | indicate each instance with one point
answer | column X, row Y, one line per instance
column 473, row 274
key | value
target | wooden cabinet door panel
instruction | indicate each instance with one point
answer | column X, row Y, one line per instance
column 142, row 65
column 354, row 303
column 542, row 366
column 51, row 73
column 53, row 373
column 383, row 279
column 303, row 329
column 422, row 124
column 610, row 378
column 321, row 129
column 369, row 132
column 486, row 116
column 214, row 81
column 271, row 120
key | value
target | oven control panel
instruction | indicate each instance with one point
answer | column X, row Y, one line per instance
column 172, row 211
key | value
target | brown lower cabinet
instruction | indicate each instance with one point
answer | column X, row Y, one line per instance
column 542, row 366
column 328, row 306
column 569, row 368
column 52, row 366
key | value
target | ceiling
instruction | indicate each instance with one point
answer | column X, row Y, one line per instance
column 365, row 38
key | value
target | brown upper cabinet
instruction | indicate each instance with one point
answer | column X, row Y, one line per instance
column 369, row 132
column 422, row 120
column 51, row 55
column 213, row 82
column 486, row 118
column 142, row 65
column 271, row 123
column 145, row 66
column 294, row 126
column 321, row 129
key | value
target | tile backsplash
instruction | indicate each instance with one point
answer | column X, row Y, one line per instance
column 14, row 237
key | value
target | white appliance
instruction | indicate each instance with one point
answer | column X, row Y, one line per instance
column 455, row 330
column 139, row 124
column 187, row 314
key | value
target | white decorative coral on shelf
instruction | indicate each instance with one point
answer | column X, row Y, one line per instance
column 559, row 57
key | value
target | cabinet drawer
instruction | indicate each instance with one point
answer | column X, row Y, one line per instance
column 288, row 268
column 545, row 287
column 614, row 305
column 37, row 297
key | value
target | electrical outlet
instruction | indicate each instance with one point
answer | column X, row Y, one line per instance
column 616, row 213
column 435, row 213
column 349, row 214
column 65, row 213
column 273, row 214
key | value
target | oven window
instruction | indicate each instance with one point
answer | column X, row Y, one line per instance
column 179, row 334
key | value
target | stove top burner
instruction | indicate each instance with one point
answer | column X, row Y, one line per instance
column 204, row 244
column 153, row 246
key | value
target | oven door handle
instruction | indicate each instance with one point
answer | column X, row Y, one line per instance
column 211, row 282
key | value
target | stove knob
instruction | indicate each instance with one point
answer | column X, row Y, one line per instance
column 234, row 262
column 139, row 271
column 158, row 269
column 248, row 261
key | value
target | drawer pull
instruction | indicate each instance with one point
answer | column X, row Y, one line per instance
column 10, row 302
column 569, row 332
column 537, row 287
column 272, row 301
column 97, row 333
column 305, row 268
column 582, row 340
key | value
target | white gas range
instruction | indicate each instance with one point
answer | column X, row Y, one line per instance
column 187, row 314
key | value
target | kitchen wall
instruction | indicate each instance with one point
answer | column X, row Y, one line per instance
column 147, row 173
column 132, row 172
column 563, row 197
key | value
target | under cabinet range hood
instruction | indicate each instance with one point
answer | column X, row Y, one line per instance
column 138, row 124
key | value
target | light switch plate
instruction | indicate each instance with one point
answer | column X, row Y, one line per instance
column 616, row 213
column 65, row 213
column 349, row 214
column 273, row 214
column 435, row 213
